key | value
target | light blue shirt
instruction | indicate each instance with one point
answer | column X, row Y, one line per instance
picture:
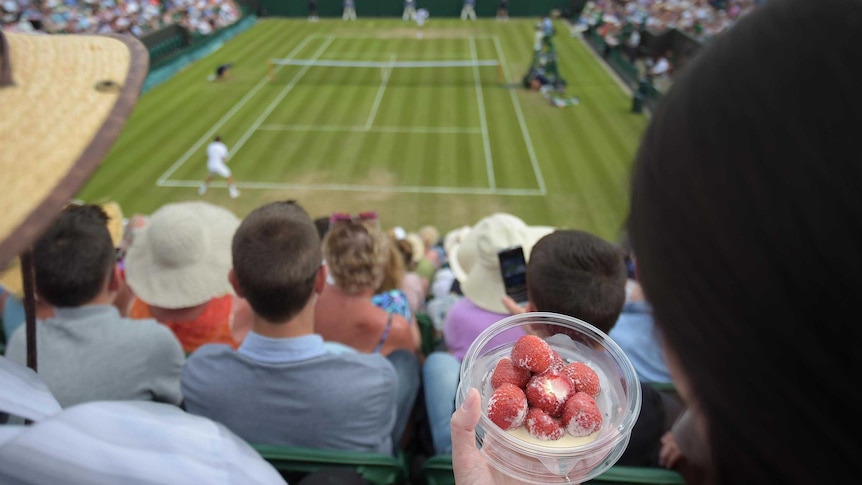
column 281, row 350
column 636, row 333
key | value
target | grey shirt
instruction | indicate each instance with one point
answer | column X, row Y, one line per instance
column 293, row 392
column 91, row 353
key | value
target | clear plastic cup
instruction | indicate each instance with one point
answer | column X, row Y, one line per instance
column 533, row 461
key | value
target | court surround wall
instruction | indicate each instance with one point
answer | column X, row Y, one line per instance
column 394, row 8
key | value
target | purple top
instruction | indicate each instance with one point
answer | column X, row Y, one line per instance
column 465, row 321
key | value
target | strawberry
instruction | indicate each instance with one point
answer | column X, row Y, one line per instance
column 532, row 353
column 549, row 391
column 584, row 377
column 507, row 372
column 543, row 426
column 507, row 407
column 581, row 415
column 557, row 363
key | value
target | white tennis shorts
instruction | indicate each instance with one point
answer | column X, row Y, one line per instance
column 218, row 168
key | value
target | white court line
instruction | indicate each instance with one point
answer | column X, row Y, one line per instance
column 403, row 189
column 483, row 120
column 163, row 182
column 524, row 132
column 280, row 96
column 379, row 97
column 224, row 119
column 377, row 129
column 405, row 37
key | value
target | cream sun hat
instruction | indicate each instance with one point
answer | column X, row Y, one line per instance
column 451, row 245
column 483, row 284
column 182, row 256
column 64, row 101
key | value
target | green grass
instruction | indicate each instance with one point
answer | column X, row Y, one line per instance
column 427, row 146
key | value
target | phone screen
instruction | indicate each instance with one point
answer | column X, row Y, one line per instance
column 513, row 268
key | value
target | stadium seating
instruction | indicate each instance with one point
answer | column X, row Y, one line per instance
column 293, row 463
column 437, row 470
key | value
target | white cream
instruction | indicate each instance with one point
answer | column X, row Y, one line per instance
column 567, row 441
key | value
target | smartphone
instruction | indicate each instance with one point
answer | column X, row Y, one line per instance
column 513, row 268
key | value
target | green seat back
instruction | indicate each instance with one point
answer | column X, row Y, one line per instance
column 437, row 470
column 428, row 332
column 293, row 463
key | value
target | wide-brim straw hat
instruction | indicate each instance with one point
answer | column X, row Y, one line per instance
column 182, row 256
column 483, row 283
column 64, row 99
column 10, row 279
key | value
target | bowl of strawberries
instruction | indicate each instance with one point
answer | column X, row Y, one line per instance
column 559, row 403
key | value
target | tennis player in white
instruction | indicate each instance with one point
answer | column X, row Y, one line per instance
column 217, row 165
column 421, row 16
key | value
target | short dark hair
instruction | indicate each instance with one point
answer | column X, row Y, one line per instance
column 276, row 256
column 322, row 224
column 74, row 257
column 578, row 274
column 745, row 222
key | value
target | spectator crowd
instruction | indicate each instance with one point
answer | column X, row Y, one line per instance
column 701, row 19
column 136, row 17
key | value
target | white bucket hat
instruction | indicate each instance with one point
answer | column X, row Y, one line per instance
column 451, row 243
column 477, row 253
column 182, row 256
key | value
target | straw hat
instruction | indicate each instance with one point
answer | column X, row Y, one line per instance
column 116, row 226
column 477, row 255
column 64, row 100
column 10, row 279
column 182, row 256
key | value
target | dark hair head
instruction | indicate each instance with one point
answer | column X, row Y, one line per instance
column 322, row 225
column 74, row 257
column 276, row 256
column 217, row 138
column 745, row 218
column 577, row 274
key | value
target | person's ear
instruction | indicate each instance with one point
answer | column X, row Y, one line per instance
column 234, row 282
column 114, row 279
column 320, row 278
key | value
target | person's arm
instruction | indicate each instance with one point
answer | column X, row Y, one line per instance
column 166, row 360
column 403, row 334
column 670, row 455
column 512, row 305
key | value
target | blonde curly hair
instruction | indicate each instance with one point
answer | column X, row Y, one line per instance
column 356, row 253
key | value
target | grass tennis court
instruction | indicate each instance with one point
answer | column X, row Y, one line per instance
column 429, row 145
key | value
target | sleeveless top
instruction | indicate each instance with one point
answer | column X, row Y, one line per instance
column 212, row 326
